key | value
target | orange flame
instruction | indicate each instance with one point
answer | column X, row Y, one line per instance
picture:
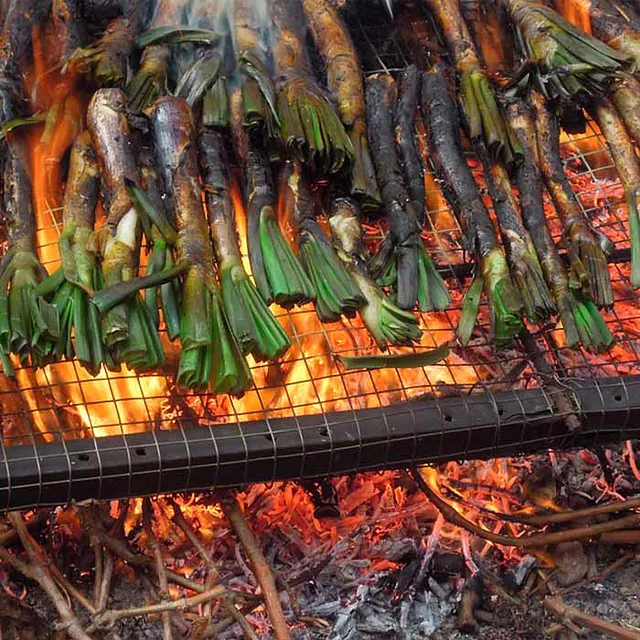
column 576, row 12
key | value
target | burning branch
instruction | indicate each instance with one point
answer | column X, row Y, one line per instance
column 534, row 540
column 261, row 568
column 163, row 583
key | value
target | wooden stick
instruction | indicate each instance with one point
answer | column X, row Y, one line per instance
column 106, row 619
column 249, row 633
column 557, row 607
column 10, row 535
column 142, row 560
column 105, row 585
column 163, row 583
column 261, row 568
column 180, row 521
column 545, row 519
column 37, row 571
column 534, row 540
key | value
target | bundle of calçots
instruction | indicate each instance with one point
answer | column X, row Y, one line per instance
column 226, row 97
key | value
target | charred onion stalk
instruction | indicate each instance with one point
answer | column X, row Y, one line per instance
column 387, row 323
column 523, row 261
column 460, row 190
column 569, row 65
column 344, row 80
column 258, row 89
column 404, row 115
column 581, row 320
column 336, row 292
column 210, row 356
column 416, row 278
column 310, row 127
column 69, row 26
column 616, row 26
column 159, row 224
column 482, row 115
column 624, row 155
column 588, row 248
column 79, row 276
column 22, row 16
column 127, row 329
column 251, row 320
column 108, row 60
column 29, row 327
column 278, row 274
column 151, row 77
column 626, row 97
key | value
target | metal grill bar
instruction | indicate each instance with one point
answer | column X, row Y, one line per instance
column 414, row 432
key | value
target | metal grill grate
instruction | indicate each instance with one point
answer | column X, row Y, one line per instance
column 66, row 435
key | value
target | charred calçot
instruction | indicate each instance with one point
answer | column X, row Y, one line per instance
column 588, row 248
column 310, row 127
column 211, row 357
column 69, row 288
column 276, row 269
column 127, row 329
column 402, row 260
column 461, row 192
column 344, row 80
column 253, row 324
column 581, row 321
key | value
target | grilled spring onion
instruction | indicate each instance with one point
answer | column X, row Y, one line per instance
column 160, row 230
column 588, row 248
column 210, row 356
column 521, row 254
column 70, row 287
column 404, row 115
column 581, row 320
column 482, row 115
column 278, row 274
column 22, row 16
column 251, row 320
column 310, row 127
column 460, row 190
column 626, row 97
column 416, row 278
column 127, row 329
column 387, row 323
column 108, row 60
column 617, row 27
column 569, row 65
column 344, row 80
column 29, row 327
column 258, row 89
column 336, row 292
column 624, row 156
column 396, row 360
column 69, row 27
column 151, row 78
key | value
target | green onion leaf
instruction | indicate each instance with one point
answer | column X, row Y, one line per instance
column 396, row 361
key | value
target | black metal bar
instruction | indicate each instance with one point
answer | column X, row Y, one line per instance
column 480, row 425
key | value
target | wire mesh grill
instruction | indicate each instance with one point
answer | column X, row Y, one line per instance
column 298, row 400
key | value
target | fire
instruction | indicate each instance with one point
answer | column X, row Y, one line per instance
column 576, row 11
column 63, row 398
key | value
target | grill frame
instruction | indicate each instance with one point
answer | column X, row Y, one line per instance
column 421, row 431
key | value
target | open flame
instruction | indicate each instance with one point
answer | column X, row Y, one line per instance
column 576, row 12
